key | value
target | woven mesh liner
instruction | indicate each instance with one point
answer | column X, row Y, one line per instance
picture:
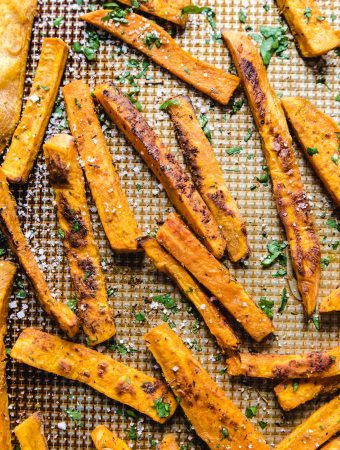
column 133, row 277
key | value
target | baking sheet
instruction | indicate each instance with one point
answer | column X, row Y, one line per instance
column 133, row 277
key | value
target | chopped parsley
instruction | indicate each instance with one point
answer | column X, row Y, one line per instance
column 224, row 433
column 337, row 98
column 275, row 249
column 316, row 322
column 203, row 120
column 251, row 411
column 325, row 262
column 76, row 102
column 312, row 151
column 234, row 150
column 284, row 300
column 8, row 351
column 307, row 14
column 262, row 424
column 133, row 436
column 140, row 317
column 74, row 415
column 172, row 101
column 267, row 306
column 72, row 303
column 273, row 41
column 248, row 135
column 210, row 15
column 295, row 385
column 111, row 292
column 152, row 39
column 236, row 105
column 335, row 158
column 242, row 16
column 61, row 233
column 264, row 177
column 117, row 14
column 162, row 408
column 122, row 349
column 58, row 21
column 166, row 300
column 91, row 47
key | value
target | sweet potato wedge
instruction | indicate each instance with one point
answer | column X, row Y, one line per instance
column 30, row 132
column 319, row 137
column 186, row 248
column 292, row 203
column 292, row 394
column 169, row 442
column 219, row 422
column 165, row 9
column 7, row 274
column 66, row 178
column 316, row 430
column 10, row 226
column 15, row 35
column 309, row 26
column 112, row 378
column 214, row 320
column 334, row 444
column 176, row 181
column 30, row 433
column 152, row 40
column 113, row 208
column 208, row 176
column 311, row 365
column 104, row 439
column 331, row 302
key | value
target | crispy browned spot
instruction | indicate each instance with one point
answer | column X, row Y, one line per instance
column 151, row 387
column 251, row 76
column 315, row 362
column 58, row 171
column 78, row 231
column 102, row 368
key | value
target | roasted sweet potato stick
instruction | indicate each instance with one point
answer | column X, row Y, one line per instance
column 115, row 214
column 7, row 274
column 291, row 200
column 30, row 433
column 112, row 378
column 311, row 365
column 309, row 26
column 104, row 439
column 166, row 9
column 334, row 444
column 15, row 35
column 30, row 132
column 67, row 180
column 214, row 320
column 169, row 443
column 293, row 393
column 208, row 176
column 186, row 248
column 9, row 224
column 319, row 136
column 152, row 40
column 176, row 181
column 317, row 429
column 331, row 302
column 219, row 422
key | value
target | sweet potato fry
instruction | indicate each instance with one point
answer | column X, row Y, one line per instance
column 169, row 443
column 331, row 302
column 9, row 224
column 152, row 40
column 7, row 274
column 317, row 429
column 319, row 136
column 112, row 378
column 309, row 26
column 185, row 247
column 104, row 439
column 334, row 444
column 115, row 214
column 311, row 365
column 214, row 320
column 165, row 9
column 292, row 203
column 30, row 433
column 176, row 181
column 67, row 180
column 293, row 393
column 30, row 132
column 219, row 422
column 208, row 176
column 15, row 35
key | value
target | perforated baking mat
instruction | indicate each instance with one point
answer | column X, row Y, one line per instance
column 133, row 279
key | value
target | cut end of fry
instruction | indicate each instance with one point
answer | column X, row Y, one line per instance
column 32, row 431
column 169, row 442
column 331, row 303
column 105, row 439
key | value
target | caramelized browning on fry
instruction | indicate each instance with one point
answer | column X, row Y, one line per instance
column 104, row 439
column 30, row 433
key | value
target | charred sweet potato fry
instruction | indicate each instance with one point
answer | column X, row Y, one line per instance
column 30, row 433
column 7, row 274
column 67, row 180
column 311, row 365
column 319, row 136
column 15, row 35
column 208, row 176
column 169, row 443
column 115, row 214
column 165, row 9
column 104, row 439
column 112, row 378
column 331, row 302
column 316, row 430
column 309, row 26
column 214, row 320
column 152, row 40
column 334, row 444
column 293, row 393
column 219, row 422
column 186, row 248
column 30, row 132
column 291, row 200
column 10, row 226
column 176, row 181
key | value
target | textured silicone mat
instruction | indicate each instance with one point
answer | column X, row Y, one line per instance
column 133, row 279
